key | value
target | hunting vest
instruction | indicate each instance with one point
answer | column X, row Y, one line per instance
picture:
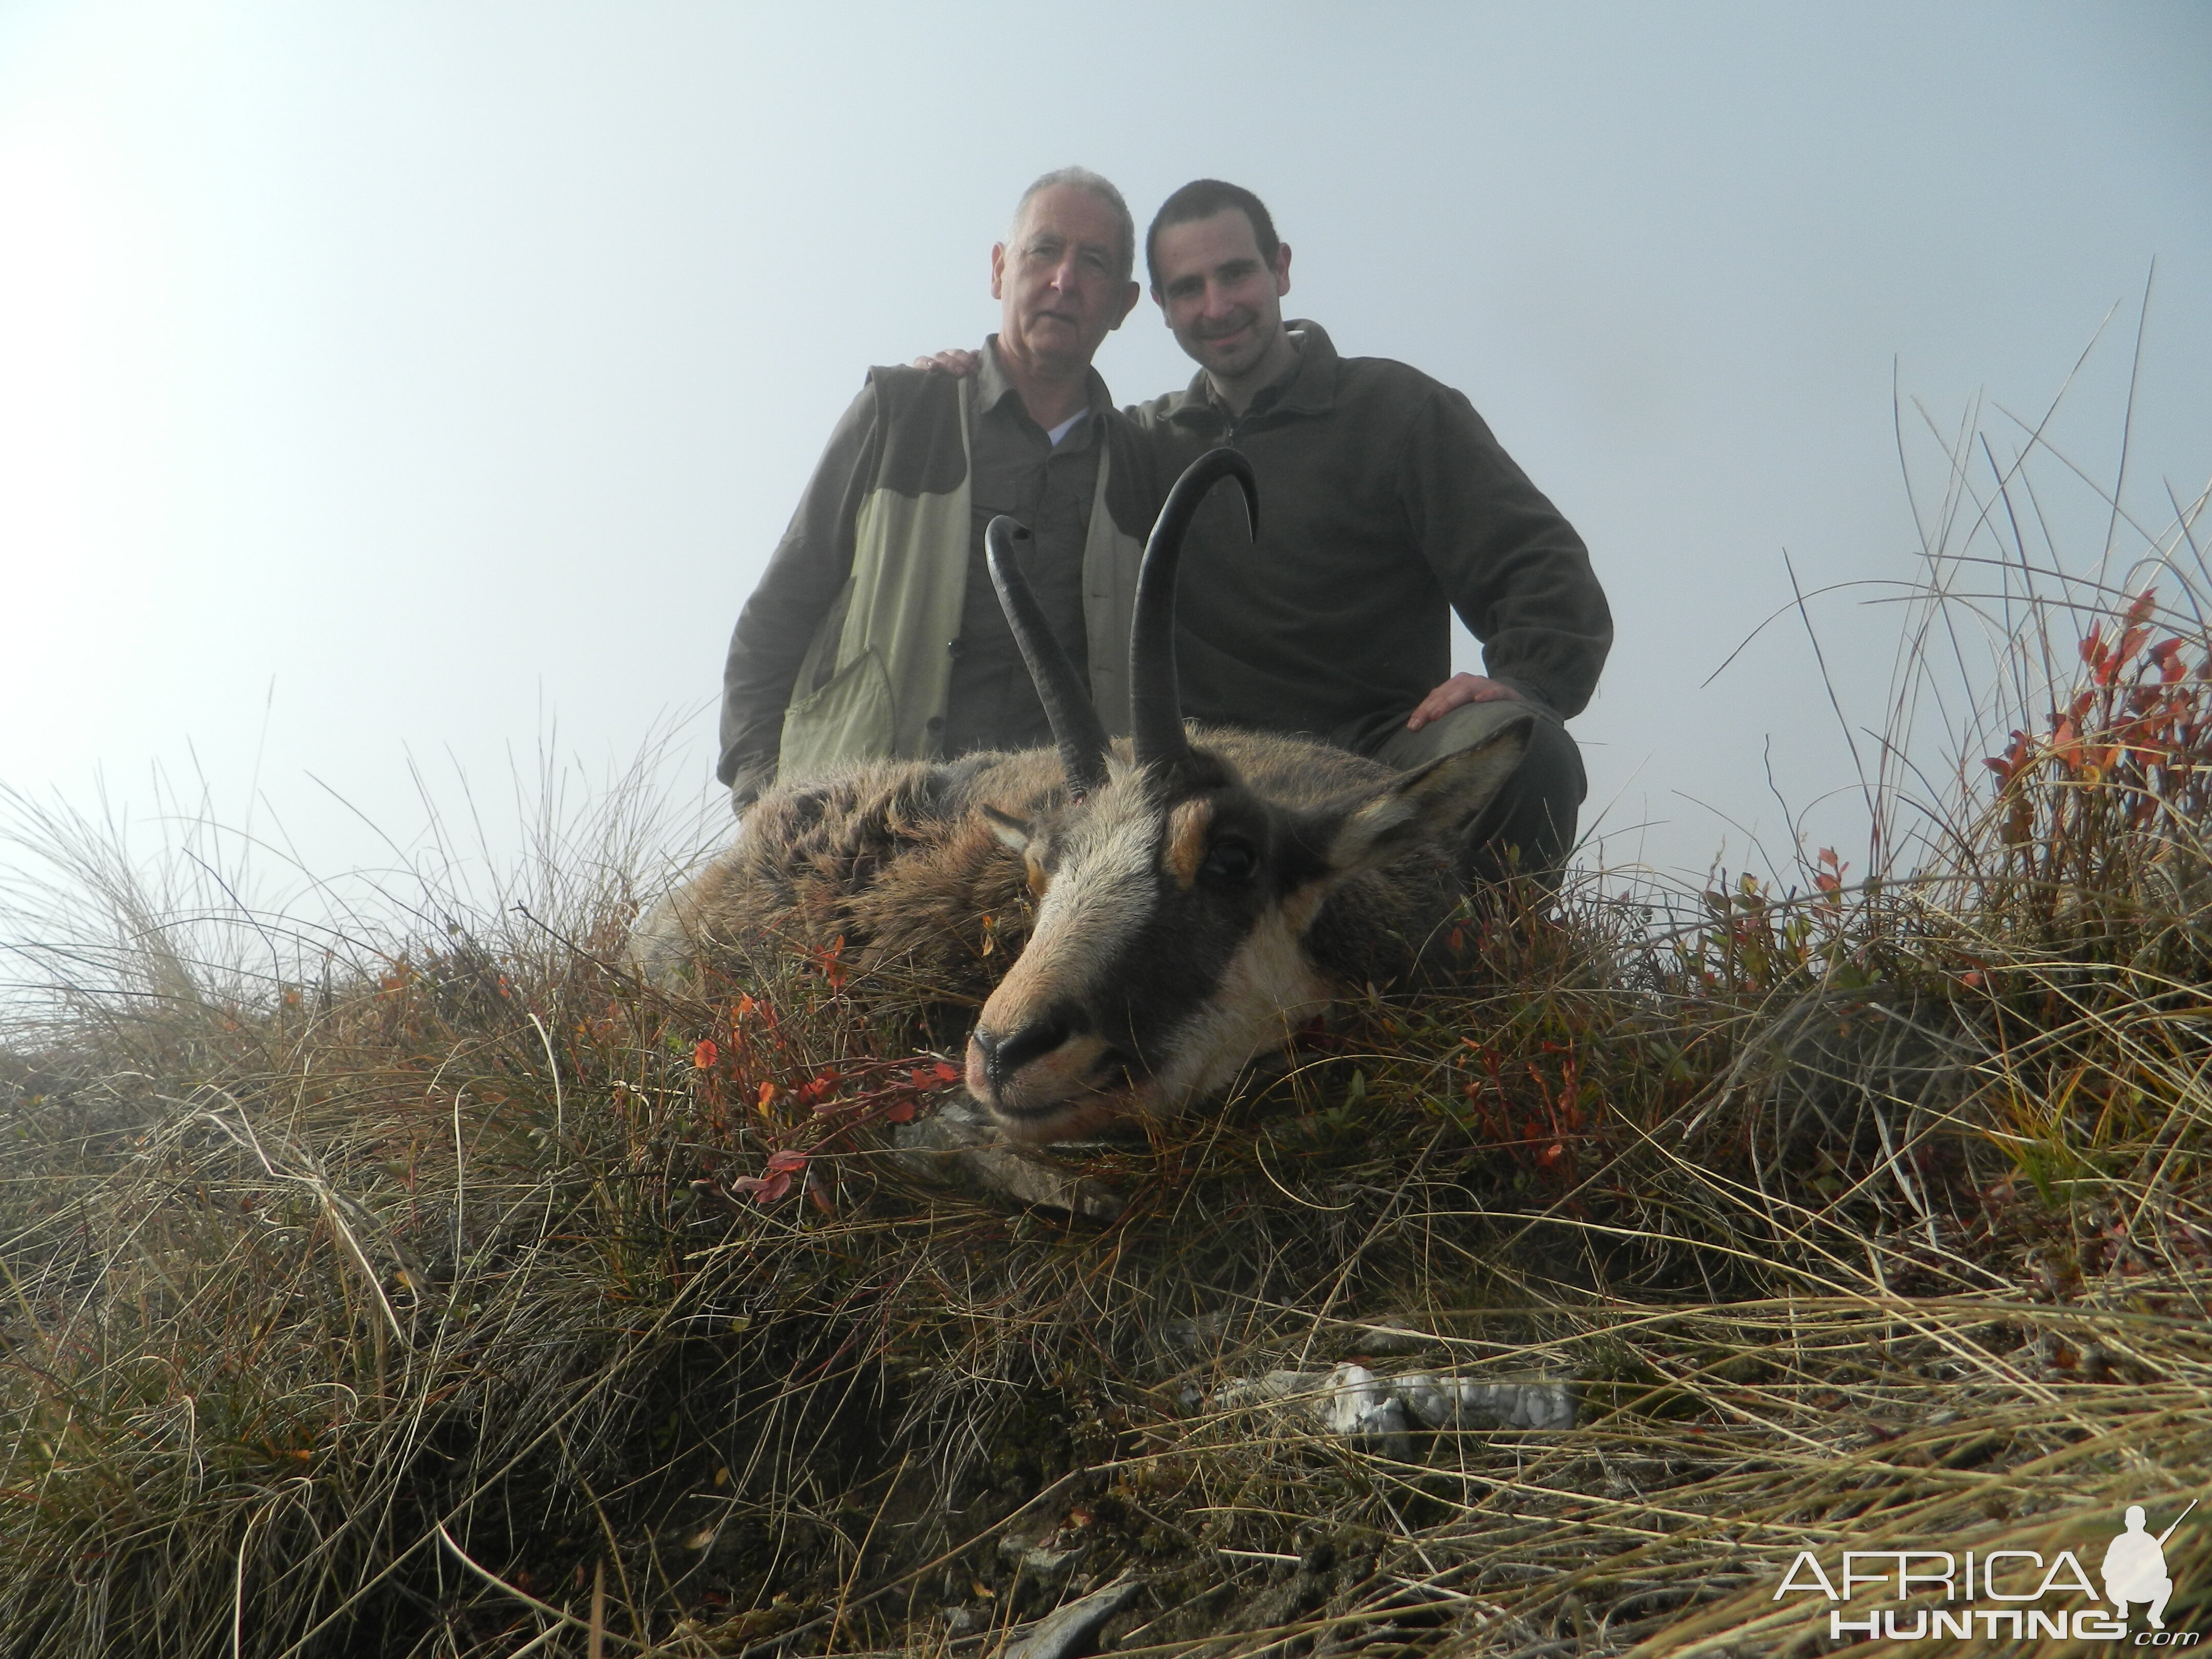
column 874, row 681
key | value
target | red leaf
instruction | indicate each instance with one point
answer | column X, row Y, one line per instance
column 706, row 1055
column 903, row 1112
column 763, row 1189
column 947, row 1073
column 2141, row 610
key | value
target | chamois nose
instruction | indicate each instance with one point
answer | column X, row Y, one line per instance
column 999, row 1056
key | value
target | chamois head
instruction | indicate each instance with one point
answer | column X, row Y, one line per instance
column 1173, row 900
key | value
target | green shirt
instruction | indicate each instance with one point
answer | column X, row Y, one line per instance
column 1016, row 469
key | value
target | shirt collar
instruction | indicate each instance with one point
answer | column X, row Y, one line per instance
column 1309, row 389
column 993, row 387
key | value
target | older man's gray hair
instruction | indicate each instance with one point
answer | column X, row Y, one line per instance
column 1098, row 185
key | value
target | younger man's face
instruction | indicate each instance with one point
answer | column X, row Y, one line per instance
column 1223, row 302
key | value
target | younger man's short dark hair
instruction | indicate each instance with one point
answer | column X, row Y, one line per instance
column 1201, row 198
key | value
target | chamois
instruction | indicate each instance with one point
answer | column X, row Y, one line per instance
column 1138, row 921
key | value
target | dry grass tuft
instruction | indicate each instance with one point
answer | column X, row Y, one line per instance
column 424, row 1285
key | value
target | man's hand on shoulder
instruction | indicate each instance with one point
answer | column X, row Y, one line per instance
column 1459, row 688
column 958, row 364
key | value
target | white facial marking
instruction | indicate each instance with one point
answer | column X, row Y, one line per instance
column 1103, row 894
column 1269, row 989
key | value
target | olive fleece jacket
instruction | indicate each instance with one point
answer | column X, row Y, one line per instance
column 1383, row 498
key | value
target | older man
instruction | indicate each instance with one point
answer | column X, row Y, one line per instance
column 1385, row 504
column 875, row 631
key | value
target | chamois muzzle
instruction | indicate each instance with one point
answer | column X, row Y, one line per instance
column 1002, row 1057
column 1047, row 1074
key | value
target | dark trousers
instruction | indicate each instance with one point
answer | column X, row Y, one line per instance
column 1528, row 828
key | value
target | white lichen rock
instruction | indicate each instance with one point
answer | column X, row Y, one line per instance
column 1354, row 1403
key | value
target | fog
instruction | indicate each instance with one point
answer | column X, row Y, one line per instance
column 397, row 400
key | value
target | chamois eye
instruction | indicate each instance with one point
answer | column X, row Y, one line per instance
column 1229, row 860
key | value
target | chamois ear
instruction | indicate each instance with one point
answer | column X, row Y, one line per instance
column 1427, row 804
column 1015, row 833
column 1021, row 835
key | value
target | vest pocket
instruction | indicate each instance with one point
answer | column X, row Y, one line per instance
column 847, row 720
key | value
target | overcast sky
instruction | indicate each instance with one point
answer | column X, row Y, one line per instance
column 390, row 387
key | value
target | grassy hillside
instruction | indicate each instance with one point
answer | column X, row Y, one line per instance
column 430, row 1287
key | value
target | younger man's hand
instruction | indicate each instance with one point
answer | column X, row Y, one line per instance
column 958, row 364
column 1459, row 688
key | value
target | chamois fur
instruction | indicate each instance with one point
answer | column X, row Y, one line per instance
column 1136, row 921
column 899, row 860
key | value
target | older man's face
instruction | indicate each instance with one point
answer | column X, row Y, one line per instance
column 1059, row 281
column 1223, row 302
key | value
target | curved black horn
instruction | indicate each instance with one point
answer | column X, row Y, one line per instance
column 1076, row 729
column 1154, row 701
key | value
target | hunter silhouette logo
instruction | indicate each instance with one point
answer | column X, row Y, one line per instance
column 2015, row 1594
column 2135, row 1567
